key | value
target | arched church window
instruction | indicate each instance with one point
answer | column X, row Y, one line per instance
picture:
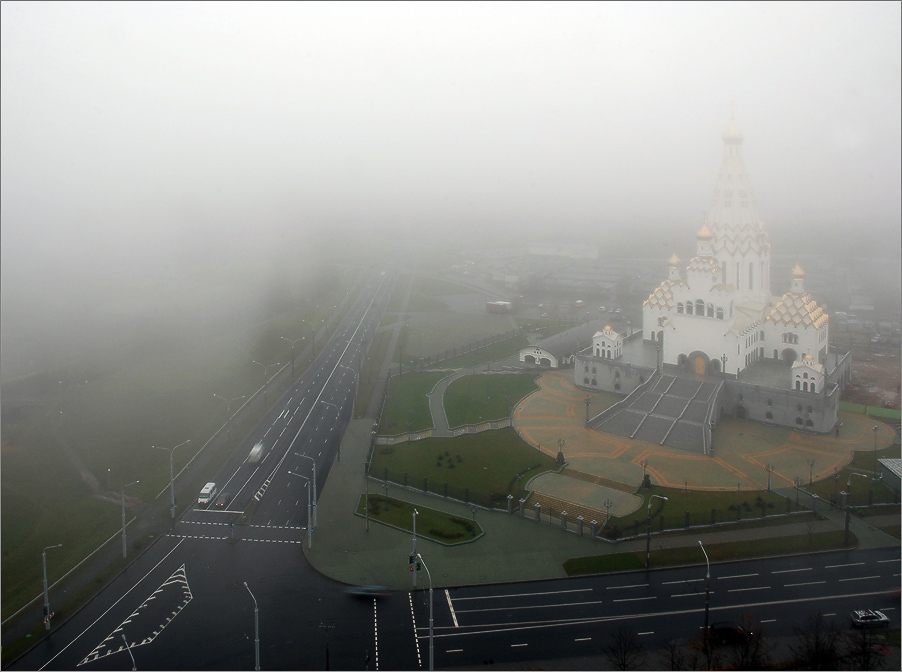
column 812, row 387
column 719, row 313
column 689, row 307
column 679, row 309
column 751, row 267
column 798, row 421
column 710, row 310
column 805, row 375
column 799, row 408
column 799, row 387
column 699, row 307
column 805, row 386
column 769, row 415
column 808, row 423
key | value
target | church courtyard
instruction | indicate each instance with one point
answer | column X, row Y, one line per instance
column 604, row 466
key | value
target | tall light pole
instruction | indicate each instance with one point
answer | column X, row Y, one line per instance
column 256, row 630
column 171, row 475
column 810, row 463
column 265, row 375
column 413, row 553
column 314, row 484
column 769, row 468
column 309, row 519
column 648, row 533
column 875, row 449
column 129, row 649
column 366, row 507
column 124, row 548
column 431, row 647
column 707, row 594
column 229, row 411
column 297, row 340
column 47, row 614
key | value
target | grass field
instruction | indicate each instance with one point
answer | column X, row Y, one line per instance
column 474, row 399
column 692, row 555
column 487, row 464
column 407, row 407
column 489, row 353
column 436, row 525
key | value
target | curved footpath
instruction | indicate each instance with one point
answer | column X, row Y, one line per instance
column 512, row 549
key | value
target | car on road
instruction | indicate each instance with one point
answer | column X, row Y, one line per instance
column 368, row 591
column 207, row 494
column 223, row 500
column 727, row 633
column 869, row 618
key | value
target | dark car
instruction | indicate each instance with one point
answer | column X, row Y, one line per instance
column 368, row 591
column 868, row 618
column 727, row 633
column 223, row 500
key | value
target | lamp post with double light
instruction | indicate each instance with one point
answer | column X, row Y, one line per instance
column 309, row 519
column 297, row 340
column 47, row 614
column 265, row 376
column 306, row 457
column 171, row 474
column 229, row 411
column 874, row 429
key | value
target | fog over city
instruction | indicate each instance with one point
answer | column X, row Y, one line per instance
column 220, row 140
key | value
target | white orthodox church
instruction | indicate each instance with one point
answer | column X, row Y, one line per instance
column 755, row 355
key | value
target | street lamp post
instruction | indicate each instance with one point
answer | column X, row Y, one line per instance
column 265, row 375
column 874, row 428
column 648, row 531
column 309, row 518
column 429, row 576
column 366, row 507
column 707, row 595
column 414, row 551
column 769, row 468
column 292, row 351
column 129, row 649
column 810, row 463
column 256, row 630
column 124, row 548
column 229, row 412
column 171, row 475
column 314, row 485
column 608, row 503
column 47, row 614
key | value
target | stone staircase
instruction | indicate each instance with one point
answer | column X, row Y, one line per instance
column 556, row 506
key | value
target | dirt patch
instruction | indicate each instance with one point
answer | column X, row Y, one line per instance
column 875, row 380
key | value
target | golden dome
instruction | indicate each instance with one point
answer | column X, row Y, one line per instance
column 733, row 134
column 704, row 233
column 797, row 272
column 674, row 261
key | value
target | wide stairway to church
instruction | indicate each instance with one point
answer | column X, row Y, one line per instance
column 669, row 409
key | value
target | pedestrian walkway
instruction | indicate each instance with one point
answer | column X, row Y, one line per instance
column 512, row 548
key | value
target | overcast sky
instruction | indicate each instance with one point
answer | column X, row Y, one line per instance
column 135, row 131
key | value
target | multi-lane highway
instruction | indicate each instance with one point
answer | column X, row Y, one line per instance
column 184, row 603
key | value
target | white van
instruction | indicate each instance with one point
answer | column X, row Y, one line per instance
column 207, row 494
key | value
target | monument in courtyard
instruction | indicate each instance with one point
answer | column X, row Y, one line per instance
column 715, row 341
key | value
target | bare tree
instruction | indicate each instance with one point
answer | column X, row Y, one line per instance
column 623, row 650
column 680, row 655
column 816, row 645
column 863, row 651
column 753, row 652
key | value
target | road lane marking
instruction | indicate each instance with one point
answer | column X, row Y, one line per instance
column 513, row 646
column 413, row 618
column 635, row 585
column 691, row 594
column 451, row 607
column 787, row 571
column 807, row 583
column 670, row 583
column 77, row 637
column 583, row 639
column 650, row 632
column 745, row 590
column 860, row 578
column 850, row 564
column 773, row 620
column 738, row 576
column 637, row 599
column 550, row 592
column 530, row 606
column 880, row 562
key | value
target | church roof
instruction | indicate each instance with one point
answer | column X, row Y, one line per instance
column 703, row 264
column 733, row 216
column 662, row 297
column 798, row 309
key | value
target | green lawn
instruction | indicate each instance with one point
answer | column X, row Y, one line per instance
column 692, row 555
column 860, row 486
column 489, row 353
column 482, row 468
column 436, row 525
column 407, row 402
column 474, row 399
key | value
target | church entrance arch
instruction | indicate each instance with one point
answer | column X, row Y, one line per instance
column 529, row 359
column 789, row 356
column 699, row 363
column 545, row 362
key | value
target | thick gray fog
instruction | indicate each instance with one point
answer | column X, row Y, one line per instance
column 140, row 140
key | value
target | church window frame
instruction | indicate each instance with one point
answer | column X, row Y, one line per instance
column 680, row 308
column 700, row 307
column 710, row 310
column 689, row 308
column 719, row 312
